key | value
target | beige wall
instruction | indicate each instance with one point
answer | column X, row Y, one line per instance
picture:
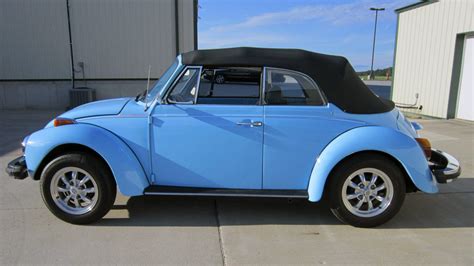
column 47, row 94
column 33, row 40
column 116, row 39
column 425, row 53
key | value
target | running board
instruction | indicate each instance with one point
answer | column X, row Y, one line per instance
column 222, row 192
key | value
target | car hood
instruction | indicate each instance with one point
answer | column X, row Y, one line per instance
column 98, row 108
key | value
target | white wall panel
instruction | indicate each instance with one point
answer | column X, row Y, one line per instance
column 425, row 52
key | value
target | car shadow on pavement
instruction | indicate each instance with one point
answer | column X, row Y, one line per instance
column 446, row 210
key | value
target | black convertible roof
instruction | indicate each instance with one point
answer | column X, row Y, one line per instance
column 333, row 74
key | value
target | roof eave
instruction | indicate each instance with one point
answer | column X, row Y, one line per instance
column 415, row 5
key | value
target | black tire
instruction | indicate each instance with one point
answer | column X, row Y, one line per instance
column 99, row 171
column 351, row 166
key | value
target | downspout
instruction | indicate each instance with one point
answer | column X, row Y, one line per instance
column 176, row 24
column 70, row 44
column 195, row 19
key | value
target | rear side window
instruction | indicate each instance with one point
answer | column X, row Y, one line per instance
column 233, row 85
column 284, row 87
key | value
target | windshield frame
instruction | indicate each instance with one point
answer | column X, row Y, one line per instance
column 150, row 102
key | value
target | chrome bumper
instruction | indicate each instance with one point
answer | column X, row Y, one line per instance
column 444, row 167
column 17, row 168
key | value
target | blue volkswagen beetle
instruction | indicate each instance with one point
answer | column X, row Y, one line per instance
column 246, row 122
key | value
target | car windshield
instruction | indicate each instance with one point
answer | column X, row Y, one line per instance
column 160, row 83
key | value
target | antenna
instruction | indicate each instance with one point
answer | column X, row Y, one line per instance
column 147, row 86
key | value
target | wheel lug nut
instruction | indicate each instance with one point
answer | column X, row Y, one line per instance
column 360, row 197
column 372, row 187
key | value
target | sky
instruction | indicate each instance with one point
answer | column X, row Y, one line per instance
column 339, row 27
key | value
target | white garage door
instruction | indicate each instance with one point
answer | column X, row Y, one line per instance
column 466, row 89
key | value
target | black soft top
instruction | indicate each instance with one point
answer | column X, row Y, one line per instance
column 334, row 74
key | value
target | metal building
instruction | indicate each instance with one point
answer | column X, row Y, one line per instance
column 434, row 58
column 113, row 43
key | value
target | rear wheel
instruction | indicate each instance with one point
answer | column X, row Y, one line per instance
column 78, row 188
column 367, row 190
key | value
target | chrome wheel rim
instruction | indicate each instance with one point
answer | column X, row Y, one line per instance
column 367, row 192
column 74, row 190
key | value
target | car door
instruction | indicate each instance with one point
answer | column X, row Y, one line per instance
column 208, row 140
column 298, row 125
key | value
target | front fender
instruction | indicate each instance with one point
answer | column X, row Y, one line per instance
column 127, row 170
column 403, row 148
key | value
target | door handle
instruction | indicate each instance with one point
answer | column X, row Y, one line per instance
column 250, row 124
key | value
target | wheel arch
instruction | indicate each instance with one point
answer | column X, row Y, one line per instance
column 396, row 146
column 63, row 149
column 125, row 167
column 410, row 186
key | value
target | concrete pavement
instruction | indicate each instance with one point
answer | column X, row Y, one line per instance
column 430, row 229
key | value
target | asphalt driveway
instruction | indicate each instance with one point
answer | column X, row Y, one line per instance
column 430, row 229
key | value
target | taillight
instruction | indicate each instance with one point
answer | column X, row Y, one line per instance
column 425, row 145
column 63, row 121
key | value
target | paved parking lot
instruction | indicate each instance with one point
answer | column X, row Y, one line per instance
column 430, row 229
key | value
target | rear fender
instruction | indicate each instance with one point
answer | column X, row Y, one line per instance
column 127, row 170
column 403, row 148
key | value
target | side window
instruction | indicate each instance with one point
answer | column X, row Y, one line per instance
column 184, row 91
column 290, row 88
column 235, row 85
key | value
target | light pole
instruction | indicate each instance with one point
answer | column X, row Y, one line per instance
column 373, row 44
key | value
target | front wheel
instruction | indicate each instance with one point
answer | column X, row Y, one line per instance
column 78, row 188
column 367, row 191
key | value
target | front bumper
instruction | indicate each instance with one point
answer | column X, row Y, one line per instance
column 17, row 168
column 444, row 167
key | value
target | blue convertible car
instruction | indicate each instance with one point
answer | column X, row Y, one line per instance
column 248, row 122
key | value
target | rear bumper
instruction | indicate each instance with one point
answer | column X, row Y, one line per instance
column 444, row 167
column 17, row 168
